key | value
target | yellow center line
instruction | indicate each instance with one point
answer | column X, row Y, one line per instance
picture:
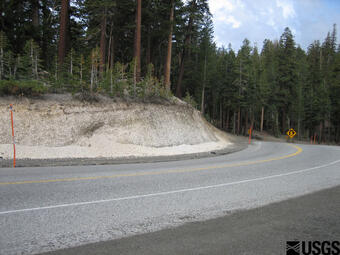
column 298, row 151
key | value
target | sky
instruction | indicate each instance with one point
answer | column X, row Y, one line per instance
column 256, row 20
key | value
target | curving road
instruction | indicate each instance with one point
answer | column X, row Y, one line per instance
column 45, row 209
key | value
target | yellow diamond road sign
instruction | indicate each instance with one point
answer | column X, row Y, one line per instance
column 291, row 133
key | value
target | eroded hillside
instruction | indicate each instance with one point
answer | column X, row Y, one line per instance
column 59, row 126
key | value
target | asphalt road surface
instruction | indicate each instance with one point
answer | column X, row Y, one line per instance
column 46, row 209
column 262, row 231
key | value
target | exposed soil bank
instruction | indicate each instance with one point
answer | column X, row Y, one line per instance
column 60, row 127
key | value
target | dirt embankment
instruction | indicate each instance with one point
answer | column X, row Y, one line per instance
column 59, row 126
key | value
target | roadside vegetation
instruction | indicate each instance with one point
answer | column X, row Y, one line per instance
column 144, row 49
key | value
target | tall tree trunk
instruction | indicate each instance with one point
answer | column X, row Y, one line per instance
column 103, row 41
column 81, row 71
column 45, row 35
column 109, row 51
column 227, row 120
column 246, row 124
column 168, row 57
column 112, row 55
column 276, row 128
column 1, row 61
column 161, row 68
column 71, row 62
column 184, row 53
column 2, row 8
column 234, row 123
column 148, row 47
column 180, row 78
column 299, row 127
column 321, row 130
column 65, row 5
column 35, row 19
column 32, row 57
column 329, row 128
column 238, row 120
column 262, row 118
column 202, row 101
column 137, row 44
column 283, row 121
column 221, row 114
column 204, row 79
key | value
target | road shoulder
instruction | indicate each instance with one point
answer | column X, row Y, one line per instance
column 239, row 143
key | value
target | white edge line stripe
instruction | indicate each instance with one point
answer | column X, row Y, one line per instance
column 168, row 192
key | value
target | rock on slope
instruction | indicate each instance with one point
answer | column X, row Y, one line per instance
column 61, row 127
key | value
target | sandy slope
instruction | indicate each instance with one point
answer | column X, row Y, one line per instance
column 61, row 127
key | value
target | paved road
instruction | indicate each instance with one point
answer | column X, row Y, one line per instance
column 260, row 231
column 44, row 209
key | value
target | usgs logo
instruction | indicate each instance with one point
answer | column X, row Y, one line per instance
column 313, row 248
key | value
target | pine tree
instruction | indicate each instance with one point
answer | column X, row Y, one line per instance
column 3, row 50
column 137, row 42
column 168, row 57
column 287, row 77
column 63, row 32
column 196, row 10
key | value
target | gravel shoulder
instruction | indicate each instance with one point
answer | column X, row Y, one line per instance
column 238, row 143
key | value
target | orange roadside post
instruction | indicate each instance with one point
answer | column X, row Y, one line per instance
column 12, row 122
column 250, row 135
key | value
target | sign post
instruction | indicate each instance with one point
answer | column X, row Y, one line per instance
column 13, row 139
column 291, row 133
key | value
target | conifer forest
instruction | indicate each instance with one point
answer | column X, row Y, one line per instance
column 142, row 49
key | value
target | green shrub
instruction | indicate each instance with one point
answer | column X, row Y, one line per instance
column 22, row 87
column 150, row 86
column 190, row 100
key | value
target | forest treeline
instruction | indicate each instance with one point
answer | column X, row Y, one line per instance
column 147, row 48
